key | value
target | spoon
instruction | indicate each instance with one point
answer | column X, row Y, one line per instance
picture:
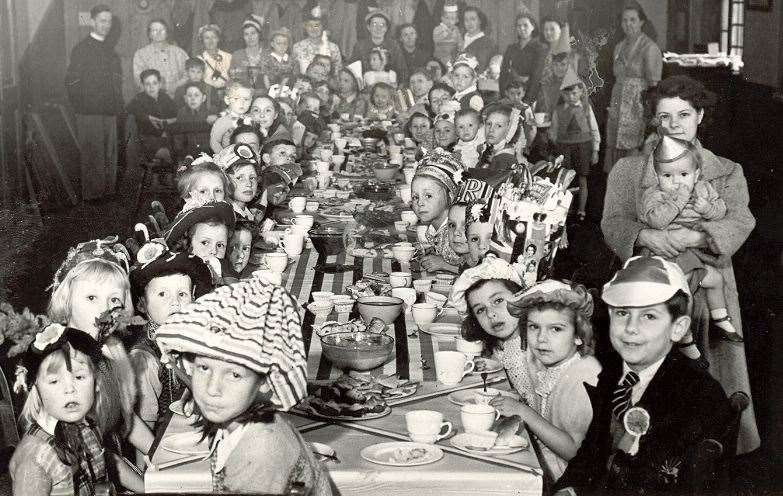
column 484, row 378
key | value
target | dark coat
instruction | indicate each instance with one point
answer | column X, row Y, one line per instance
column 686, row 406
column 94, row 78
column 528, row 62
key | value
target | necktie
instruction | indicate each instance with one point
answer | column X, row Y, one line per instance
column 621, row 398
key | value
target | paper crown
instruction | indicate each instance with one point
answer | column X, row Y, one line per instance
column 563, row 44
column 474, row 189
column 466, row 59
column 645, row 281
column 255, row 21
column 278, row 91
column 670, row 150
column 443, row 166
column 107, row 249
column 452, row 7
column 570, row 79
column 235, row 154
column 356, row 70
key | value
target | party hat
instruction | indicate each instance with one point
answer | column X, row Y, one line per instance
column 563, row 44
column 570, row 79
column 670, row 150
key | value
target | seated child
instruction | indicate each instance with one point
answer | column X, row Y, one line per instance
column 240, row 164
column 651, row 407
column 480, row 295
column 349, row 97
column 202, row 228
column 302, row 84
column 328, row 101
column 381, row 107
column 445, row 132
column 505, row 141
column 278, row 152
column 463, row 76
column 435, row 185
column 248, row 135
column 682, row 197
column 194, row 69
column 478, row 229
column 239, row 247
column 265, row 113
column 275, row 184
column 61, row 451
column 438, row 95
column 238, row 99
column 574, row 133
column 458, row 238
column 515, row 96
column 313, row 127
column 202, row 178
column 379, row 71
column 420, row 81
column 277, row 66
column 419, row 129
column 91, row 293
column 153, row 109
column 470, row 132
column 242, row 346
column 162, row 282
column 554, row 319
column 317, row 72
column 446, row 35
column 191, row 131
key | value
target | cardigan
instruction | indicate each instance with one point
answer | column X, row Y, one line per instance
column 169, row 61
column 621, row 226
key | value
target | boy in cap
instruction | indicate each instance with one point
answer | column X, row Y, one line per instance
column 162, row 282
column 651, row 408
column 680, row 196
column 574, row 133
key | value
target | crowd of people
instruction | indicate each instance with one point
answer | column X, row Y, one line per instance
column 236, row 132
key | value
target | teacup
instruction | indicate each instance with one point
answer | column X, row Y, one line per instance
column 269, row 276
column 407, row 295
column 338, row 160
column 424, row 315
column 336, row 135
column 340, row 144
column 322, row 296
column 322, row 166
column 408, row 172
column 312, row 206
column 324, row 179
column 436, row 299
column 451, row 367
column 400, row 226
column 409, row 216
column 276, row 261
column 292, row 243
column 300, row 229
column 343, row 303
column 403, row 254
column 422, row 285
column 303, row 220
column 321, row 308
column 400, row 279
column 427, row 426
column 405, row 194
column 478, row 417
column 486, row 397
column 326, row 154
column 297, row 204
column 470, row 349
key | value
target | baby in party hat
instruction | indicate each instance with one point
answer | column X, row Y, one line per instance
column 678, row 195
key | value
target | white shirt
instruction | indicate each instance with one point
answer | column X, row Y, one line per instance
column 645, row 376
column 280, row 58
column 97, row 36
column 225, row 442
column 471, row 38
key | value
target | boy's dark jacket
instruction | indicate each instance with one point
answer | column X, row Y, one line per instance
column 686, row 405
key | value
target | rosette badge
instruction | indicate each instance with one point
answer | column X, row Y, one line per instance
column 49, row 336
column 637, row 423
column 150, row 252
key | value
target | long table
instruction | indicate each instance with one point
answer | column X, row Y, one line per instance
column 455, row 473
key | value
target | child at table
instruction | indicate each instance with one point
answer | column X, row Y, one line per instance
column 458, row 240
column 505, row 140
column 61, row 451
column 381, row 106
column 554, row 322
column 379, row 71
column 470, row 131
column 434, row 187
column 238, row 98
column 91, row 293
column 478, row 229
column 162, row 282
column 239, row 247
column 239, row 163
column 446, row 35
column 278, row 152
column 202, row 228
column 275, row 185
column 652, row 409
column 463, row 76
column 242, row 346
column 480, row 295
column 202, row 178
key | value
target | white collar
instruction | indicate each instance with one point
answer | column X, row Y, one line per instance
column 471, row 38
column 243, row 211
column 466, row 91
column 280, row 58
column 645, row 376
column 46, row 422
column 96, row 36
column 225, row 442
column 434, row 231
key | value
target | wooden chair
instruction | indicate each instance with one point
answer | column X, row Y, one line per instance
column 154, row 181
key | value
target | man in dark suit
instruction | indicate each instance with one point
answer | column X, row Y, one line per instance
column 651, row 406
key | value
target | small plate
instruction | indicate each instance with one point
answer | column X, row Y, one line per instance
column 390, row 454
column 186, row 443
column 466, row 396
column 401, row 392
column 338, row 217
column 488, row 366
column 444, row 330
column 461, row 441
column 305, row 408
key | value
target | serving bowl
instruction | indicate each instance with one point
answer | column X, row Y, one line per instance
column 360, row 351
column 385, row 172
column 327, row 240
column 386, row 308
column 369, row 143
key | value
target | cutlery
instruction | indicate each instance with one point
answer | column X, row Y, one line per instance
column 484, row 378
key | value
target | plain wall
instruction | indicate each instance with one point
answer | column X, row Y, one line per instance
column 762, row 46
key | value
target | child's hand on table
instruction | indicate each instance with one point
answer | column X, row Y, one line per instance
column 509, row 406
column 432, row 263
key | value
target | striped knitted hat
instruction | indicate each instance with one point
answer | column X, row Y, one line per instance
column 251, row 323
column 443, row 166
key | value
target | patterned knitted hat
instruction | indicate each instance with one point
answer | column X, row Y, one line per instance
column 645, row 281
column 107, row 249
column 290, row 172
column 155, row 260
column 251, row 323
column 443, row 166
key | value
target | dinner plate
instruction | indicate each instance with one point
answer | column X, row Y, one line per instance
column 444, row 330
column 396, row 454
column 462, row 442
column 466, row 396
column 490, row 366
column 304, row 407
column 185, row 443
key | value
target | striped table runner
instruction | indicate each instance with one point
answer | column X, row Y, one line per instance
column 300, row 279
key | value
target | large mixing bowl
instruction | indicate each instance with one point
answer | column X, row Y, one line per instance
column 386, row 308
column 360, row 351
